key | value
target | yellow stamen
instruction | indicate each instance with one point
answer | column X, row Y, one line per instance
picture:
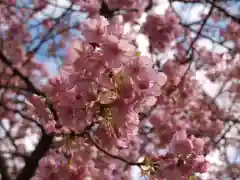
column 138, row 53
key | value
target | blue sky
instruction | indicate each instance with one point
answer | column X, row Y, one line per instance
column 52, row 11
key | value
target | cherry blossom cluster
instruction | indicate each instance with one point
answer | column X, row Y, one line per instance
column 185, row 107
column 183, row 159
column 232, row 33
column 108, row 106
column 221, row 67
column 105, row 81
column 82, row 162
column 162, row 29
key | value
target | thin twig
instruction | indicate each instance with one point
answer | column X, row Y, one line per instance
column 89, row 136
column 29, row 84
column 201, row 28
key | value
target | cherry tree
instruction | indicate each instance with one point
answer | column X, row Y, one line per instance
column 126, row 94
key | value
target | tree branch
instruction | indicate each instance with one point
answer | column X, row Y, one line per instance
column 224, row 11
column 29, row 84
column 32, row 162
column 216, row 6
column 3, row 169
column 201, row 28
column 89, row 136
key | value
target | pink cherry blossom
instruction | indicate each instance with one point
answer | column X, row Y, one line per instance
column 126, row 94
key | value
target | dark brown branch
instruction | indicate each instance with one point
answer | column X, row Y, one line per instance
column 221, row 43
column 218, row 7
column 29, row 84
column 149, row 6
column 224, row 11
column 223, row 135
column 45, row 37
column 201, row 28
column 46, row 140
column 18, row 73
column 23, row 116
column 89, row 136
column 32, row 162
column 3, row 169
column 8, row 135
column 109, row 13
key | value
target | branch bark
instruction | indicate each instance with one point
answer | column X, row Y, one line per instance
column 3, row 169
column 29, row 84
column 32, row 162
